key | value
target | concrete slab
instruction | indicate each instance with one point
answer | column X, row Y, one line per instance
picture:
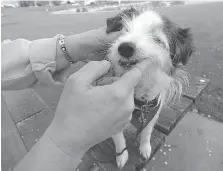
column 194, row 145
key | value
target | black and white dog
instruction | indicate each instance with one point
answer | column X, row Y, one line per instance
column 152, row 36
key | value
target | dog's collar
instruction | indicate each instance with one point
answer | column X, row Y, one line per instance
column 153, row 103
column 147, row 110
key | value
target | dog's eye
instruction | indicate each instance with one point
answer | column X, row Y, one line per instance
column 159, row 41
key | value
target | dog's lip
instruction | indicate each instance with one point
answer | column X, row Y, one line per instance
column 128, row 64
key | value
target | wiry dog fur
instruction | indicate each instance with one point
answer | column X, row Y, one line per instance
column 149, row 35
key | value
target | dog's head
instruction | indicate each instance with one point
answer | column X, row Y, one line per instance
column 150, row 35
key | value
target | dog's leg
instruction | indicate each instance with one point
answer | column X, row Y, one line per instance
column 145, row 147
column 120, row 144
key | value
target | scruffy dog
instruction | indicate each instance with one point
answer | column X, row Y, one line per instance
column 149, row 35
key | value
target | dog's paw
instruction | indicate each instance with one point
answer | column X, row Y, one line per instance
column 145, row 150
column 122, row 159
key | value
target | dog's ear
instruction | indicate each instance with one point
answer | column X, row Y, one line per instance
column 184, row 46
column 116, row 23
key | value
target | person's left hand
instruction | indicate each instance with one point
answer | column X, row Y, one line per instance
column 92, row 45
column 87, row 46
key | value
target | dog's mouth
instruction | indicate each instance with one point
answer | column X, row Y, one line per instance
column 128, row 64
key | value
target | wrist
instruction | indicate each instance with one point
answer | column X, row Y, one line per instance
column 47, row 156
column 66, row 161
column 61, row 60
column 71, row 145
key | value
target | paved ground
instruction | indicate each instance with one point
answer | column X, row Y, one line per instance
column 194, row 145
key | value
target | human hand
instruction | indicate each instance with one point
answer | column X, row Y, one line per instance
column 91, row 46
column 87, row 115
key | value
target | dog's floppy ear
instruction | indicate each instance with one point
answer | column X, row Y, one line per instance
column 184, row 46
column 115, row 23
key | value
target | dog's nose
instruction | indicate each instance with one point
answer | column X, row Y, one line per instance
column 126, row 49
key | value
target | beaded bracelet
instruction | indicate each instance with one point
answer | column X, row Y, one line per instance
column 61, row 40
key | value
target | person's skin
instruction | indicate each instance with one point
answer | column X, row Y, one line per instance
column 85, row 116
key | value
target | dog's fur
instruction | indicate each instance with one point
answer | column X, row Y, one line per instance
column 153, row 37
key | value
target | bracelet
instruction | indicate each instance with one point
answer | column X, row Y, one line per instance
column 61, row 40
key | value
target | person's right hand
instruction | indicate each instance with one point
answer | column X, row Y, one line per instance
column 87, row 115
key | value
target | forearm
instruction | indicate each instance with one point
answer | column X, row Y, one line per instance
column 24, row 63
column 16, row 69
column 47, row 156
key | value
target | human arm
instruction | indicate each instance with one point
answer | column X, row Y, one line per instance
column 24, row 62
column 47, row 156
column 85, row 116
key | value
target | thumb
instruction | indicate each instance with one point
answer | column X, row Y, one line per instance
column 62, row 75
column 92, row 71
column 106, row 81
column 130, row 79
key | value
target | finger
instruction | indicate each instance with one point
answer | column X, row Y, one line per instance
column 106, row 81
column 131, row 78
column 100, row 38
column 62, row 75
column 92, row 71
column 105, row 38
column 130, row 101
column 91, row 45
column 97, row 55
